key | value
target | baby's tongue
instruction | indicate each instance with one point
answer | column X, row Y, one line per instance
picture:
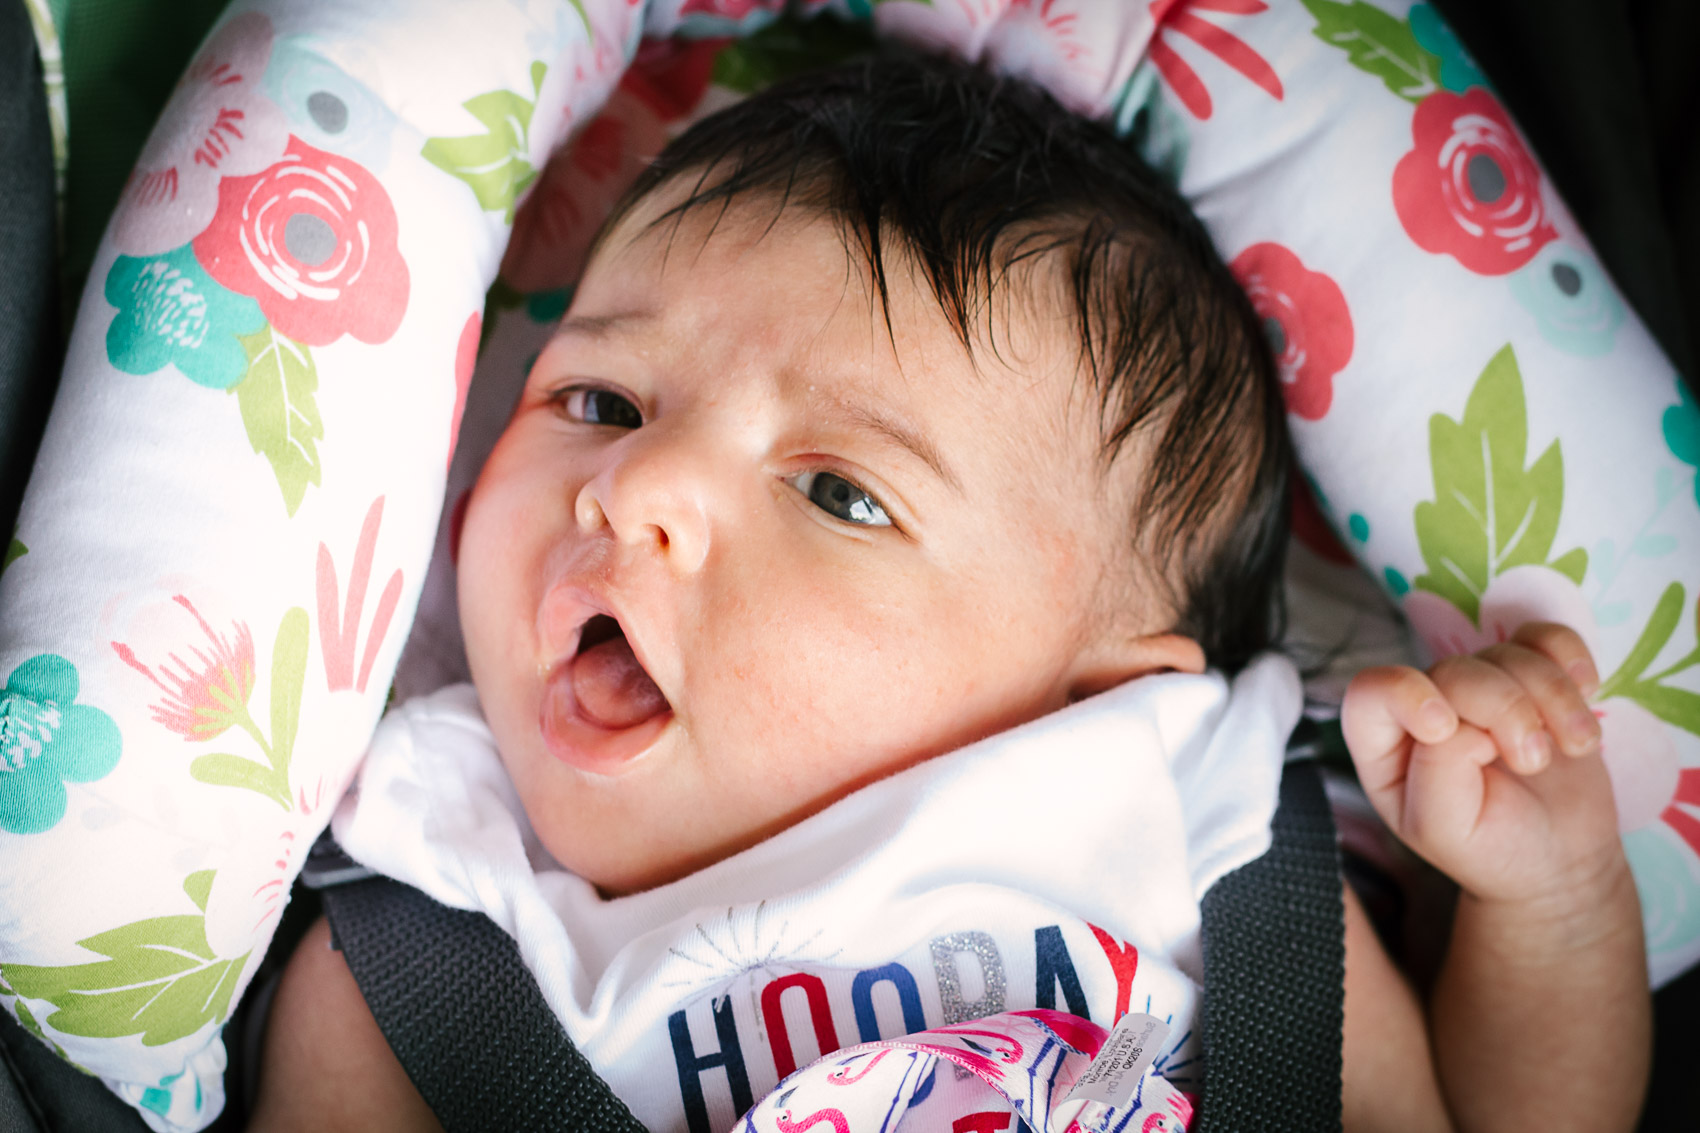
column 612, row 689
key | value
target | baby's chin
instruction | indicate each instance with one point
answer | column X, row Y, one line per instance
column 626, row 839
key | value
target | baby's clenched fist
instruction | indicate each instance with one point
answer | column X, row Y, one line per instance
column 1489, row 765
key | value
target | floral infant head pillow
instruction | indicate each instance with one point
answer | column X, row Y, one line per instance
column 229, row 526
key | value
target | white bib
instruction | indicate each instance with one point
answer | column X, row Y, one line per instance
column 1056, row 865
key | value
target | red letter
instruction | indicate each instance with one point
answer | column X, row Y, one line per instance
column 820, row 1013
column 1124, row 962
column 981, row 1123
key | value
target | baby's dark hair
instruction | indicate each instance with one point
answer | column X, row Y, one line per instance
column 974, row 176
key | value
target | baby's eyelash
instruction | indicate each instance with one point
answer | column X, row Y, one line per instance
column 835, row 493
column 597, row 405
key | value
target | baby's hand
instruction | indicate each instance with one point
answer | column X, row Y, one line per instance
column 1489, row 766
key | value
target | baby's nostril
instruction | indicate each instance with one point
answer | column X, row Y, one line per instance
column 597, row 630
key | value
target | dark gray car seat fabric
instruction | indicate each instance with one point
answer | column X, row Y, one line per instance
column 29, row 294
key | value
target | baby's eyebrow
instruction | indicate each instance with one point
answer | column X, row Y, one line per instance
column 601, row 326
column 903, row 436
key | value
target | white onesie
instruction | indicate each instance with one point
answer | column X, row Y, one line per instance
column 1056, row 865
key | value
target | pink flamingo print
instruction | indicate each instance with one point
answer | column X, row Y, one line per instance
column 835, row 1117
column 843, row 1077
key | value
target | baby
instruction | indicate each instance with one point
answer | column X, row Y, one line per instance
column 904, row 431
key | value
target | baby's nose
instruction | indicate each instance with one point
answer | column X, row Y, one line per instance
column 653, row 494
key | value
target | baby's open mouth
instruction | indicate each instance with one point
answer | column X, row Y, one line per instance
column 607, row 685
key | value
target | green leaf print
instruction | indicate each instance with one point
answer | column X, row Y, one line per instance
column 280, row 411
column 1378, row 44
column 1489, row 512
column 496, row 164
column 1676, row 706
column 198, row 886
column 14, row 552
column 289, row 674
column 223, row 770
column 159, row 979
column 789, row 46
column 1667, row 612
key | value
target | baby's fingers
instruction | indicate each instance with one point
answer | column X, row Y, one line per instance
column 1554, row 667
column 1385, row 708
column 1445, row 787
column 1493, row 700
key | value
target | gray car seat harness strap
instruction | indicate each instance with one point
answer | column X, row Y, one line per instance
column 468, row 1023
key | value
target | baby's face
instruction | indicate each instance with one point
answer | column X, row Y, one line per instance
column 736, row 555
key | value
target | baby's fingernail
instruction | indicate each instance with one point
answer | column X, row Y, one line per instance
column 1585, row 727
column 1435, row 715
column 1587, row 678
column 1537, row 749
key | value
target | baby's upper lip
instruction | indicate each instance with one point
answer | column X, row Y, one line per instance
column 567, row 606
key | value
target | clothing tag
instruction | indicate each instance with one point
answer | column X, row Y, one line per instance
column 1113, row 1077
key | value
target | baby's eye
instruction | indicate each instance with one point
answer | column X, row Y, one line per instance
column 841, row 499
column 600, row 407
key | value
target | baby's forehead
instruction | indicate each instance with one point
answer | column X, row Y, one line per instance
column 762, row 283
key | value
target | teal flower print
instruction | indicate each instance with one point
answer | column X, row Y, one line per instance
column 1458, row 72
column 327, row 107
column 171, row 312
column 45, row 740
column 1152, row 126
column 1682, row 431
column 1571, row 298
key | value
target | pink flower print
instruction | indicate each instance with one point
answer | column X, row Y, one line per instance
column 312, row 239
column 466, row 361
column 1681, row 814
column 337, row 635
column 554, row 226
column 1077, row 52
column 1182, row 19
column 251, row 888
column 1521, row 594
column 1469, row 188
column 728, row 9
column 1308, row 323
column 1642, row 759
column 578, row 187
column 217, row 124
column 206, row 689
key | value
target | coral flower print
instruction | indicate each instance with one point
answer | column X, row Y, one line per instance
column 206, row 688
column 221, row 126
column 1180, row 17
column 1469, row 189
column 1309, row 326
column 313, row 240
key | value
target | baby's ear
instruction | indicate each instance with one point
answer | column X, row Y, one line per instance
column 1117, row 660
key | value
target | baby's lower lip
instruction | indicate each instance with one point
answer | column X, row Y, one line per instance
column 579, row 742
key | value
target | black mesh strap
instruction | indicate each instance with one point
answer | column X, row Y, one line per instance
column 1274, row 976
column 464, row 1016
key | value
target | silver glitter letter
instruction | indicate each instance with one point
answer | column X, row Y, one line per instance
column 980, row 945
